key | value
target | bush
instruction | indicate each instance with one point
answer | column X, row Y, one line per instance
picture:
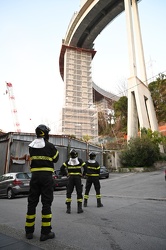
column 140, row 152
column 163, row 157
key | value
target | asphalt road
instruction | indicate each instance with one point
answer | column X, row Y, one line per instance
column 133, row 216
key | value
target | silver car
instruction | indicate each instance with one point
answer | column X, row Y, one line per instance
column 13, row 184
column 104, row 173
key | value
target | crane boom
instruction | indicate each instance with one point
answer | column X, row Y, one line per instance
column 13, row 106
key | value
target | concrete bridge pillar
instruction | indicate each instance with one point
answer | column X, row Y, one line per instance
column 141, row 111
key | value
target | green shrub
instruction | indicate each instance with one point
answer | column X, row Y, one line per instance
column 140, row 152
column 163, row 157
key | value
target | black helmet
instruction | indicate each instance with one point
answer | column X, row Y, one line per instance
column 92, row 155
column 73, row 153
column 42, row 131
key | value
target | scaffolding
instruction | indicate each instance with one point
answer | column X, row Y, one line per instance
column 79, row 115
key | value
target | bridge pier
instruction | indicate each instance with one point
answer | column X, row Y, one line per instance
column 141, row 111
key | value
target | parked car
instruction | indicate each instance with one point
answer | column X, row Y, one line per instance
column 29, row 174
column 13, row 184
column 59, row 180
column 104, row 173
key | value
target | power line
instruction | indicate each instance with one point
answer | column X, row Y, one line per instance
column 138, row 84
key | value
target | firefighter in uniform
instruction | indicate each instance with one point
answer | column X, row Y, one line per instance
column 42, row 155
column 73, row 169
column 93, row 171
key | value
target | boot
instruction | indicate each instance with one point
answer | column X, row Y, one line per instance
column 29, row 236
column 44, row 237
column 79, row 210
column 85, row 202
column 68, row 211
column 99, row 204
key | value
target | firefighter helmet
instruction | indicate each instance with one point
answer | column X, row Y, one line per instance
column 73, row 153
column 42, row 131
column 92, row 155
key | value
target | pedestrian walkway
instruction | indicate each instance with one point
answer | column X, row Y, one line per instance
column 10, row 243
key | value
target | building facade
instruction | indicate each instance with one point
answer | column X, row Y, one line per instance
column 79, row 115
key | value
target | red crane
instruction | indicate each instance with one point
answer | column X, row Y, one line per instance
column 13, row 106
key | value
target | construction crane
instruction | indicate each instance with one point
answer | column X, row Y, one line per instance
column 9, row 91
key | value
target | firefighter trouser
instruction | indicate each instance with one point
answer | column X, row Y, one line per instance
column 74, row 181
column 95, row 181
column 41, row 184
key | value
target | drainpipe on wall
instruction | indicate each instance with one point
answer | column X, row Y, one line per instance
column 7, row 162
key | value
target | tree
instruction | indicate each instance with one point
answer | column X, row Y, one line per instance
column 143, row 151
column 120, row 108
column 155, row 136
column 158, row 92
column 121, row 88
column 86, row 138
column 102, row 123
column 140, row 152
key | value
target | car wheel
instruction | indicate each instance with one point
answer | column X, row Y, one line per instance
column 10, row 194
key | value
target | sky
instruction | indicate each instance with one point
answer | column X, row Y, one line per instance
column 31, row 33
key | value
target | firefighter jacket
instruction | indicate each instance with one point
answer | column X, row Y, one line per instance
column 93, row 168
column 73, row 167
column 43, row 155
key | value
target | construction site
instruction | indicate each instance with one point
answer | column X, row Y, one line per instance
column 83, row 99
column 14, row 145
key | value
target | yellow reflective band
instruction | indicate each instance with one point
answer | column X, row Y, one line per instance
column 98, row 196
column 41, row 133
column 68, row 199
column 47, row 216
column 46, row 224
column 83, row 164
column 92, row 174
column 79, row 200
column 75, row 174
column 86, row 196
column 74, row 167
column 55, row 155
column 33, row 216
column 93, row 168
column 29, row 224
column 42, row 169
column 43, row 158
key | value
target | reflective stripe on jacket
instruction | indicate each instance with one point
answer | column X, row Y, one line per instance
column 93, row 169
column 43, row 159
column 76, row 170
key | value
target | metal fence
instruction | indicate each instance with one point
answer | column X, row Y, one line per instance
column 14, row 151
